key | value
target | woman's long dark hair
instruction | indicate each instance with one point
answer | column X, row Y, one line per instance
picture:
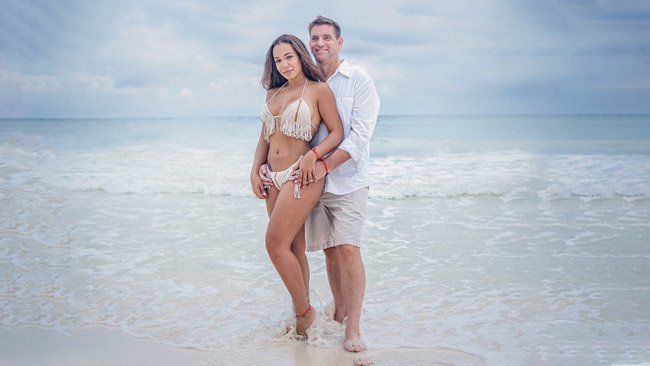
column 272, row 77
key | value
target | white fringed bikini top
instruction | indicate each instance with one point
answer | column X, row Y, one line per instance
column 295, row 120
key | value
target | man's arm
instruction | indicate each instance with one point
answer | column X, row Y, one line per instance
column 362, row 123
column 363, row 119
column 333, row 161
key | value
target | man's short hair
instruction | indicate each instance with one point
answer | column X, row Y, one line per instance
column 321, row 20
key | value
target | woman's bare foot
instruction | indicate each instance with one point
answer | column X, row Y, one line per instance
column 353, row 342
column 305, row 320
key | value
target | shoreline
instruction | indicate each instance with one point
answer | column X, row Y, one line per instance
column 100, row 345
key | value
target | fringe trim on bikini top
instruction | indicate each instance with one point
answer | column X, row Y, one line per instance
column 295, row 120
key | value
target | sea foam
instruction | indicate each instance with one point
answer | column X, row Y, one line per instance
column 156, row 169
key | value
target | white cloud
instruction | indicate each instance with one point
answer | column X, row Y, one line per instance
column 201, row 57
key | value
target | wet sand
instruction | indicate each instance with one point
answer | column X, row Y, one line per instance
column 105, row 346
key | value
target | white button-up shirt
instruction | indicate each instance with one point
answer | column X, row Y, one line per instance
column 358, row 105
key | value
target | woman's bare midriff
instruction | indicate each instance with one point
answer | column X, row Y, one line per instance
column 284, row 151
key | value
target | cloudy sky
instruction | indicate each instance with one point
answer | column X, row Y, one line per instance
column 108, row 58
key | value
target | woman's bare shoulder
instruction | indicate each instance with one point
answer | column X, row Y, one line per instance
column 270, row 92
column 322, row 89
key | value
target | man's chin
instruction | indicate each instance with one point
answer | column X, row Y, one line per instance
column 321, row 59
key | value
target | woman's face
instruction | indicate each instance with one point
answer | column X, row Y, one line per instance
column 286, row 61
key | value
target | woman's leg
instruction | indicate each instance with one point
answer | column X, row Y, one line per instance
column 298, row 248
column 287, row 218
column 299, row 245
column 270, row 200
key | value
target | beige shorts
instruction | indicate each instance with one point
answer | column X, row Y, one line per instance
column 336, row 220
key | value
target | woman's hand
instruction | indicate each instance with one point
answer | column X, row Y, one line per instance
column 307, row 169
column 264, row 169
column 258, row 186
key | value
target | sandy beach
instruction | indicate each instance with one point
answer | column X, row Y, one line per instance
column 103, row 346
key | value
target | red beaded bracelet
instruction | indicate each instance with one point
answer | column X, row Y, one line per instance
column 317, row 156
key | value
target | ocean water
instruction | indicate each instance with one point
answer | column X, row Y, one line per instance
column 516, row 239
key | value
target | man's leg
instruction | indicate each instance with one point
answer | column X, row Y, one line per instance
column 345, row 269
column 333, row 265
column 353, row 281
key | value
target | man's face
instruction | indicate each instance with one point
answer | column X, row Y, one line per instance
column 324, row 44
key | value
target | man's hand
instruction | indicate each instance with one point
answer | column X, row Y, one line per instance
column 319, row 173
column 307, row 169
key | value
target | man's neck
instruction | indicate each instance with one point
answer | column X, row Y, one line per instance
column 329, row 68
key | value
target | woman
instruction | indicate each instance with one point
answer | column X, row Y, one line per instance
column 296, row 103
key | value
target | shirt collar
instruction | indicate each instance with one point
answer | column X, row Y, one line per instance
column 344, row 69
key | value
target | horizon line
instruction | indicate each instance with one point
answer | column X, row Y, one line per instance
column 379, row 116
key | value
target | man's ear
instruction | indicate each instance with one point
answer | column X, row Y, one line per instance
column 340, row 42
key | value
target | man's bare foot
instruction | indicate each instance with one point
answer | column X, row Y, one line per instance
column 304, row 321
column 353, row 342
column 340, row 316
column 363, row 362
column 335, row 313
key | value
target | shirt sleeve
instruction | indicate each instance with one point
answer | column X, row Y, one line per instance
column 363, row 119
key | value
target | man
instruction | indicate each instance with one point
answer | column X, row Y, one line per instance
column 336, row 222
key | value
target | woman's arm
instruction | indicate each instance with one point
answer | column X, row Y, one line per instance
column 261, row 153
column 330, row 116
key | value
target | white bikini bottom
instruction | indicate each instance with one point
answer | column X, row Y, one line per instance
column 280, row 178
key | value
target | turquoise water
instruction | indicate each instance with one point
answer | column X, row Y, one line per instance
column 539, row 133
column 549, row 134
